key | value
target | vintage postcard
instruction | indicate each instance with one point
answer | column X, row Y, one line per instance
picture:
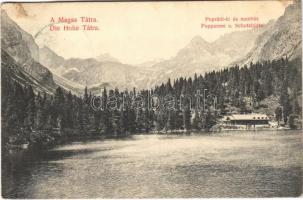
column 167, row 99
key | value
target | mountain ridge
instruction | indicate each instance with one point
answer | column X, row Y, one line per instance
column 278, row 38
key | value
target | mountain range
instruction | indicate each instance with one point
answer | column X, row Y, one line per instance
column 44, row 67
column 198, row 56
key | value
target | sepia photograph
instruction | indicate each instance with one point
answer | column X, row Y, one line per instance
column 151, row 99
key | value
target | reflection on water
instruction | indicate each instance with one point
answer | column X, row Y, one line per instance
column 247, row 164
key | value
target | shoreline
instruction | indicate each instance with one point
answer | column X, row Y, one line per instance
column 7, row 149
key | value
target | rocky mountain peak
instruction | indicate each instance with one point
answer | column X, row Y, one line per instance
column 106, row 57
column 198, row 42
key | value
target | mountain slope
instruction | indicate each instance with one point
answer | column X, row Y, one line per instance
column 10, row 68
column 14, row 38
column 21, row 51
column 50, row 59
column 281, row 39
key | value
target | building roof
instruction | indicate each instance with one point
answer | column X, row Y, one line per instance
column 252, row 116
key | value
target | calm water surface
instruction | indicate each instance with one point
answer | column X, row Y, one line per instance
column 238, row 164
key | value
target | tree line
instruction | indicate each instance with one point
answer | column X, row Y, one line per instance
column 41, row 118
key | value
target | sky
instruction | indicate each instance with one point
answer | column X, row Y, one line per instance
column 134, row 32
